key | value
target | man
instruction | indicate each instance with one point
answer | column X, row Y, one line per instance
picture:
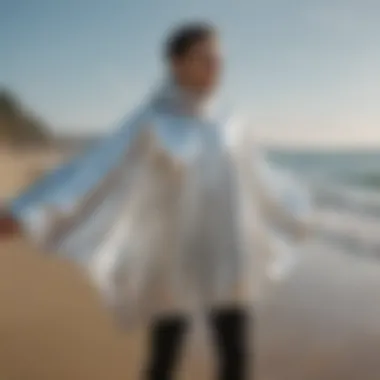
column 167, row 215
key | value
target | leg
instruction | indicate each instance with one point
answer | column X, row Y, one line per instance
column 165, row 344
column 230, row 331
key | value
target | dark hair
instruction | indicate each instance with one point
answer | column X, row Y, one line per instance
column 184, row 37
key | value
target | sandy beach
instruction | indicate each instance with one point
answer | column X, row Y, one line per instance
column 322, row 322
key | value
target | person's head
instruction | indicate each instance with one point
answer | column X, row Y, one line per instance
column 193, row 56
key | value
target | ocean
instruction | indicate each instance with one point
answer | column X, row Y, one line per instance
column 345, row 190
column 359, row 169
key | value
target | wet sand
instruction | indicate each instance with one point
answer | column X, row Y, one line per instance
column 323, row 322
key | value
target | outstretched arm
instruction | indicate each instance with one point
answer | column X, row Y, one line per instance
column 54, row 198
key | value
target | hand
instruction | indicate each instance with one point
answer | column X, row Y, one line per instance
column 9, row 226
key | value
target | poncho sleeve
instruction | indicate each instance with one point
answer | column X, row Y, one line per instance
column 49, row 208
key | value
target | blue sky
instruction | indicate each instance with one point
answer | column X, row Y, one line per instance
column 304, row 72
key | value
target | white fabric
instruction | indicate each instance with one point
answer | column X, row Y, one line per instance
column 187, row 220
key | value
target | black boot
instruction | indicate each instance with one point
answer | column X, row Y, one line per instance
column 165, row 344
column 230, row 329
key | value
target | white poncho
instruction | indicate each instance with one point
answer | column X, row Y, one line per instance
column 172, row 212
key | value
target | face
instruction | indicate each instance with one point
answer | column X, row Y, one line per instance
column 200, row 68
